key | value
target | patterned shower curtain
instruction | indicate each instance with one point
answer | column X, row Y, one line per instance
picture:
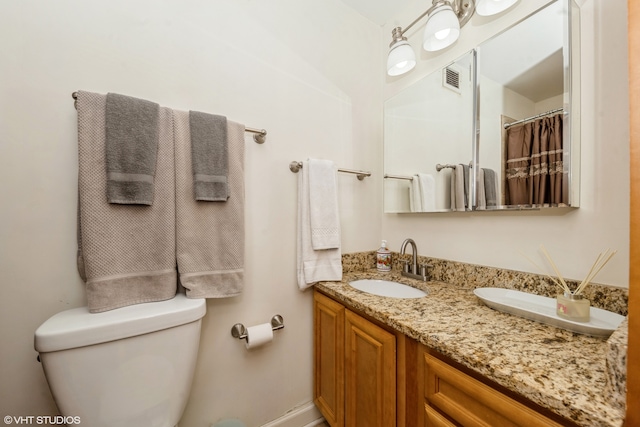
column 534, row 168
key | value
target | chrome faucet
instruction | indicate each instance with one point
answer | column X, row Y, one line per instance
column 413, row 270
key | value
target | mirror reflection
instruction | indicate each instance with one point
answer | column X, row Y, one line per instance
column 523, row 138
column 428, row 128
column 518, row 86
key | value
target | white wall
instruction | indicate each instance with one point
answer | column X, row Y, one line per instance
column 574, row 238
column 303, row 70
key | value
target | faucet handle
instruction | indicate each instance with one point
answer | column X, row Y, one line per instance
column 423, row 269
column 405, row 266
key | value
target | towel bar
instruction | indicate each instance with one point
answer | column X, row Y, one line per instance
column 259, row 137
column 439, row 167
column 295, row 166
column 408, row 178
column 240, row 331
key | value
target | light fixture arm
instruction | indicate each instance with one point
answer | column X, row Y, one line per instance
column 462, row 8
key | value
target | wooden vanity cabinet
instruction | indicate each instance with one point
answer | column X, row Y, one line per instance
column 454, row 398
column 367, row 375
column 328, row 337
column 355, row 367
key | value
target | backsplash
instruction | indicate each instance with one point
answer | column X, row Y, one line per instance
column 477, row 276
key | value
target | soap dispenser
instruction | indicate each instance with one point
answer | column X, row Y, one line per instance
column 383, row 257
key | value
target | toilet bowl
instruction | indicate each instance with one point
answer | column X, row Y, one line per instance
column 128, row 367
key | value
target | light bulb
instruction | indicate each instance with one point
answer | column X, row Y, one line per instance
column 442, row 34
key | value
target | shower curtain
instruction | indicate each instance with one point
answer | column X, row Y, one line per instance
column 534, row 168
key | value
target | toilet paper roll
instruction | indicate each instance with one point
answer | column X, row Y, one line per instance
column 259, row 335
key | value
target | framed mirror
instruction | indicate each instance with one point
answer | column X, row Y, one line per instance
column 446, row 147
column 528, row 133
column 428, row 129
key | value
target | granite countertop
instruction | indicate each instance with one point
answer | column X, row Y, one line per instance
column 557, row 369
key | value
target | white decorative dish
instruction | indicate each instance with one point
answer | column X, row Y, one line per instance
column 543, row 309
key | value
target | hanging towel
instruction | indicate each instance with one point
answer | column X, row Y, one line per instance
column 415, row 199
column 209, row 156
column 465, row 170
column 481, row 198
column 209, row 236
column 490, row 187
column 458, row 188
column 313, row 265
column 427, row 185
column 131, row 148
column 323, row 205
column 126, row 254
column 453, row 190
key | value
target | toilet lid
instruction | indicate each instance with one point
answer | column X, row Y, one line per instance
column 78, row 328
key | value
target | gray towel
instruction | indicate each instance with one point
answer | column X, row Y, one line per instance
column 209, row 236
column 131, row 149
column 209, row 156
column 481, row 198
column 126, row 254
column 458, row 192
column 490, row 187
column 466, row 185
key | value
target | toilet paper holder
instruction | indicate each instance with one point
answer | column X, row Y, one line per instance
column 240, row 331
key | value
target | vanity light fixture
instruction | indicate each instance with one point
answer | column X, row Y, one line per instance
column 444, row 20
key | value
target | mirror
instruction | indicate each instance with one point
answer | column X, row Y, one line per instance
column 519, row 75
column 428, row 128
column 525, row 115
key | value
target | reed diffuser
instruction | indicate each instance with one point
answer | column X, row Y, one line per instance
column 571, row 304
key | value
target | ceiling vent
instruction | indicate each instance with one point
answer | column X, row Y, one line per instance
column 451, row 79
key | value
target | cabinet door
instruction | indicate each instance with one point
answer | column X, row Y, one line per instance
column 328, row 392
column 370, row 374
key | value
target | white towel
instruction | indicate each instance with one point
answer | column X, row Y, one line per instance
column 415, row 200
column 452, row 189
column 312, row 265
column 427, row 185
column 323, row 205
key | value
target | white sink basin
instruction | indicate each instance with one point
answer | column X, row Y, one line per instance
column 386, row 288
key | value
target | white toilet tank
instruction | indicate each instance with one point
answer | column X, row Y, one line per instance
column 128, row 367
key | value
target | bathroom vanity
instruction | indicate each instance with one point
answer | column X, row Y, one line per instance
column 447, row 359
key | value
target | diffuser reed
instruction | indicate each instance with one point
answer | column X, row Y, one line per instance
column 571, row 304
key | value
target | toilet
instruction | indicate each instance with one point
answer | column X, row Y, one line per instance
column 128, row 367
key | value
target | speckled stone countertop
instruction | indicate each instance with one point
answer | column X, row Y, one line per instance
column 565, row 372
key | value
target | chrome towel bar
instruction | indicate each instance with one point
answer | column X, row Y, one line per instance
column 259, row 137
column 295, row 166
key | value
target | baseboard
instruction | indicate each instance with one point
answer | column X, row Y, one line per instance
column 306, row 415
